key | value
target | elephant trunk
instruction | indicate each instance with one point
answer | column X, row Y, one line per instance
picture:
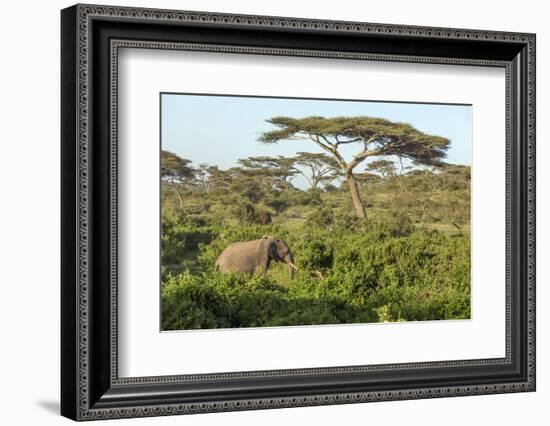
column 291, row 266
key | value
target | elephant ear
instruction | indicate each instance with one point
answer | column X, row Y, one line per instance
column 272, row 249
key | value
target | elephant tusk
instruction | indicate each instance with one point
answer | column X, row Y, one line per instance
column 293, row 265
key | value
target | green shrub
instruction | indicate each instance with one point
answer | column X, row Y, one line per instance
column 380, row 270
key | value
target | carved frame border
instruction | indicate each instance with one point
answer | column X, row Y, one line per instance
column 85, row 13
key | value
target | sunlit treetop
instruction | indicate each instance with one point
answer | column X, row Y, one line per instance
column 175, row 167
column 378, row 137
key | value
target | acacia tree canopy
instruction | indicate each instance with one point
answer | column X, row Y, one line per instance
column 376, row 137
column 384, row 168
column 320, row 167
column 277, row 171
column 175, row 168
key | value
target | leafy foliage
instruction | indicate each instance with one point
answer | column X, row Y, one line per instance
column 383, row 270
column 384, row 137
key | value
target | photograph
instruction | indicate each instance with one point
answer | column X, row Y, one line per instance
column 279, row 211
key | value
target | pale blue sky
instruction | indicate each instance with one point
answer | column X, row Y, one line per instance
column 219, row 130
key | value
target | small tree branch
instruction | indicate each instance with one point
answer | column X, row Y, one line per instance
column 315, row 139
column 324, row 172
column 331, row 150
column 357, row 159
column 340, row 142
column 307, row 177
column 329, row 143
column 178, row 193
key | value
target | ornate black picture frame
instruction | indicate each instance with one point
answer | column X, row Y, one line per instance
column 90, row 385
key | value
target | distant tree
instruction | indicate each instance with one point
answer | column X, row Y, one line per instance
column 384, row 168
column 330, row 187
column 247, row 184
column 175, row 172
column 275, row 172
column 319, row 168
column 210, row 178
column 425, row 182
column 377, row 137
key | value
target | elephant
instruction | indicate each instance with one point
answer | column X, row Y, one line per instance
column 255, row 256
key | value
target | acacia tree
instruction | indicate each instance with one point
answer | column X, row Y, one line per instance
column 210, row 178
column 276, row 173
column 385, row 168
column 320, row 167
column 247, row 184
column 377, row 137
column 175, row 172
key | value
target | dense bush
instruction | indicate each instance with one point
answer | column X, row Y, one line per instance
column 376, row 270
column 408, row 261
column 212, row 300
column 181, row 237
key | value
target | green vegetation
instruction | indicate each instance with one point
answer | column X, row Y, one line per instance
column 408, row 261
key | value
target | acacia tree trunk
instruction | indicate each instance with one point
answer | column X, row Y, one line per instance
column 178, row 193
column 314, row 184
column 355, row 198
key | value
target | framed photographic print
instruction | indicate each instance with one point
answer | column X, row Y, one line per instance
column 263, row 212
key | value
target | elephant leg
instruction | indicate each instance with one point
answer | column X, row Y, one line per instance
column 264, row 266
